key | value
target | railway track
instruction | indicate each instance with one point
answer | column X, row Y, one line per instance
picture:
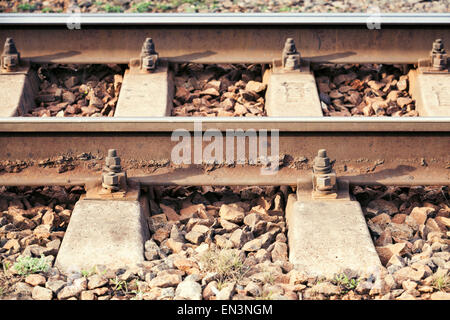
column 284, row 147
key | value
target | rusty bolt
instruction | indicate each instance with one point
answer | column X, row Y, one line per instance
column 112, row 161
column 110, row 179
column 149, row 57
column 10, row 57
column 289, row 46
column 323, row 183
column 438, row 46
column 290, row 56
column 291, row 63
column 438, row 56
column 322, row 162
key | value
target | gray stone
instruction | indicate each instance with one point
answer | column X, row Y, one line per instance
column 176, row 234
column 226, row 291
column 70, row 291
column 167, row 294
column 253, row 289
column 41, row 293
column 55, row 285
column 252, row 219
column 279, row 251
column 232, row 213
column 252, row 245
column 381, row 206
column 239, row 237
column 166, row 280
column 96, row 281
column 189, row 290
column 326, row 288
column 152, row 250
column 22, row 288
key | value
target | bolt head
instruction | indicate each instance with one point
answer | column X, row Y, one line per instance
column 149, row 62
column 10, row 61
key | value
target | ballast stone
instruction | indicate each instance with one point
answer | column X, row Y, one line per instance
column 110, row 233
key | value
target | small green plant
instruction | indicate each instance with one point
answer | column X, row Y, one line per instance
column 228, row 264
column 268, row 278
column 6, row 266
column 47, row 10
column 120, row 285
column 285, row 9
column 27, row 265
column 138, row 294
column 441, row 283
column 347, row 284
column 142, row 7
column 163, row 6
column 88, row 273
column 26, row 7
column 112, row 9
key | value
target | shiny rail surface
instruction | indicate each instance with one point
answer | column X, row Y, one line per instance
column 225, row 38
column 169, row 124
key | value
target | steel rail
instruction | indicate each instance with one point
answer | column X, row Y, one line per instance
column 224, row 18
column 239, row 178
column 169, row 124
column 227, row 38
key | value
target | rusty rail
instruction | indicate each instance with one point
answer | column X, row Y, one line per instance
column 226, row 38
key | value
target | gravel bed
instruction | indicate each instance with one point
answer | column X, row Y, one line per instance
column 229, row 243
column 364, row 90
column 77, row 90
column 223, row 90
column 204, row 6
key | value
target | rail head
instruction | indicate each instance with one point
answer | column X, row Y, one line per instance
column 17, row 19
column 169, row 124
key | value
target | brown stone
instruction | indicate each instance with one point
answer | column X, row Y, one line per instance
column 35, row 280
column 169, row 212
column 384, row 239
column 385, row 253
column 232, row 213
column 161, row 234
column 399, row 218
column 381, row 219
column 184, row 264
column 420, row 214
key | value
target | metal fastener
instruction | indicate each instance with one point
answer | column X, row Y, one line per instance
column 10, row 58
column 322, row 162
column 290, row 56
column 324, row 177
column 149, row 57
column 112, row 171
column 438, row 56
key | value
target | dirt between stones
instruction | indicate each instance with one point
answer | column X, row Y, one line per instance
column 364, row 90
column 226, row 243
column 218, row 90
column 77, row 90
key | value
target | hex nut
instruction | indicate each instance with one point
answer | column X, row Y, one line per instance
column 321, row 162
column 323, row 181
column 112, row 161
column 110, row 179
